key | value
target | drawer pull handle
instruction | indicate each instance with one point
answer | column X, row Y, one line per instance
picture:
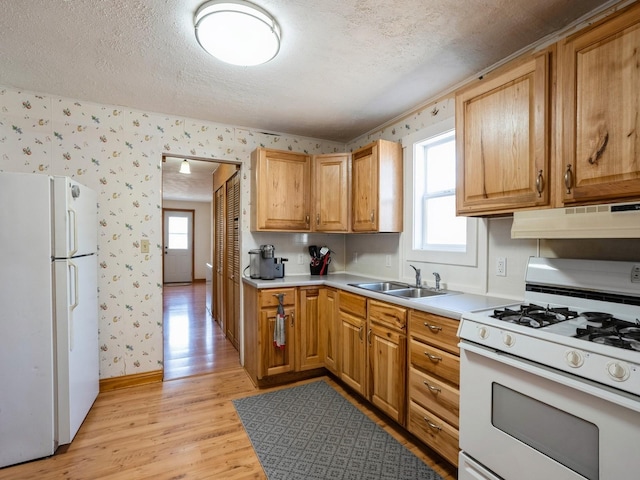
column 432, row 388
column 568, row 179
column 360, row 333
column 278, row 294
column 433, row 328
column 432, row 425
column 432, row 357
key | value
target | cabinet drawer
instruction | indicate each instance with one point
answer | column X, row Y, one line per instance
column 435, row 395
column 435, row 361
column 269, row 298
column 434, row 431
column 354, row 304
column 387, row 314
column 435, row 330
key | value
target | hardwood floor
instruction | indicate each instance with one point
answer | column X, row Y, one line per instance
column 193, row 343
column 186, row 428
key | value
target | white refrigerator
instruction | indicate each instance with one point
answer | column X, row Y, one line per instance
column 48, row 313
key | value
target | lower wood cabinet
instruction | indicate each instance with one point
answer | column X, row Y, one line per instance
column 387, row 358
column 330, row 329
column 434, row 379
column 353, row 351
column 308, row 336
column 262, row 358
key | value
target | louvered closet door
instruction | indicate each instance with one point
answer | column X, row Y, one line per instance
column 232, row 260
column 218, row 289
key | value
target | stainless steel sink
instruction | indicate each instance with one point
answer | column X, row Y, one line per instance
column 381, row 286
column 415, row 292
column 398, row 289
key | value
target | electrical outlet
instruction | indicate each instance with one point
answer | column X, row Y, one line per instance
column 144, row 245
column 635, row 274
column 388, row 261
column 300, row 259
column 501, row 267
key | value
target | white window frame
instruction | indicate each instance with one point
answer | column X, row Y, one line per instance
column 468, row 257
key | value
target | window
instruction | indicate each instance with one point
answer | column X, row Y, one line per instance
column 435, row 221
column 438, row 236
column 178, row 233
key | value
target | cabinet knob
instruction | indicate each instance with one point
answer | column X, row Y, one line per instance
column 568, row 179
column 539, row 183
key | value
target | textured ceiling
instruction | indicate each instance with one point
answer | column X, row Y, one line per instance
column 344, row 68
column 195, row 187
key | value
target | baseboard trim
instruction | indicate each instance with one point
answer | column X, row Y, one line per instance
column 126, row 381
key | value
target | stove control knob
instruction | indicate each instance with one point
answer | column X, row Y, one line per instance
column 483, row 333
column 508, row 339
column 618, row 371
column 574, row 359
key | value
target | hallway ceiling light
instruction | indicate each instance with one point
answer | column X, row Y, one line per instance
column 185, row 168
column 237, row 32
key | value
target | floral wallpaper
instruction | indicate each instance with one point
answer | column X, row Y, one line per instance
column 118, row 152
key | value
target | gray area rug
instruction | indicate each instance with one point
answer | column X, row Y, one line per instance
column 313, row 432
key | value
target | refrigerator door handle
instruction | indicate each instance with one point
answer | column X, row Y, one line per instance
column 73, row 303
column 73, row 227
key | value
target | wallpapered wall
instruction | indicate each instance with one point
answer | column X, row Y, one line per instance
column 118, row 152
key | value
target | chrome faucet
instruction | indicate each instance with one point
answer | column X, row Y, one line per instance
column 418, row 276
column 437, row 275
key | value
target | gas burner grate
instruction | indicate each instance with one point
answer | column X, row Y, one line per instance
column 612, row 332
column 534, row 316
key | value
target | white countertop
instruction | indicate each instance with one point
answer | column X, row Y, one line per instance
column 451, row 305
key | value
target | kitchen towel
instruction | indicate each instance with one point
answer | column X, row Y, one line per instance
column 278, row 331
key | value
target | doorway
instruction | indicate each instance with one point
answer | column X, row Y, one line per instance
column 178, row 245
column 194, row 342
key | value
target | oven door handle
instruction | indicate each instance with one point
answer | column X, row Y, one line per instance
column 581, row 384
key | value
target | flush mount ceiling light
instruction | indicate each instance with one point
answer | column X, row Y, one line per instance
column 237, row 32
column 185, row 168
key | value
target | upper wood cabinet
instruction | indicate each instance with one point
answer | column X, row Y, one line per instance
column 599, row 104
column 330, row 185
column 376, row 186
column 502, row 140
column 281, row 191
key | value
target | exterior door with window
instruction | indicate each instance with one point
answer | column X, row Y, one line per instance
column 178, row 246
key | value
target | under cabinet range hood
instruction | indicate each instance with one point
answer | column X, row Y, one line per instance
column 616, row 220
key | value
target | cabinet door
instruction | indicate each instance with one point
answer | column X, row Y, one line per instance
column 331, row 193
column 308, row 337
column 275, row 360
column 282, row 193
column 330, row 329
column 364, row 198
column 387, row 365
column 353, row 351
column 600, row 104
column 502, row 141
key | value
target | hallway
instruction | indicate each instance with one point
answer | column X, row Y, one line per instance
column 194, row 344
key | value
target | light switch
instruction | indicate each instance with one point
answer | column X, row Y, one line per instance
column 144, row 245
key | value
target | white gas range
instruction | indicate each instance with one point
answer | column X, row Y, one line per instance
column 556, row 381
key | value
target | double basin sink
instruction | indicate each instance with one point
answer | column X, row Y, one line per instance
column 399, row 289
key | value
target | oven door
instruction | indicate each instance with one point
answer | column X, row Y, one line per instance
column 524, row 421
